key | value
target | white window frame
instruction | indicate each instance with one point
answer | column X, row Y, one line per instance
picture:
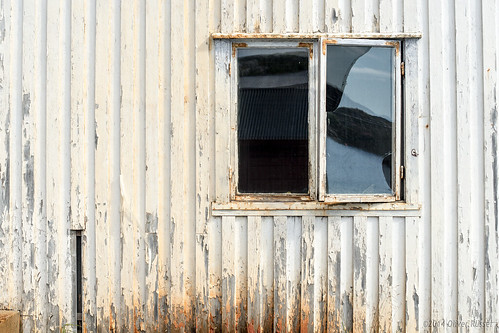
column 396, row 130
column 226, row 121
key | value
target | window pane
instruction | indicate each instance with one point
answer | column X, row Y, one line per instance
column 272, row 120
column 360, row 115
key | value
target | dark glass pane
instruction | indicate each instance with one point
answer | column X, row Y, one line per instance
column 272, row 120
column 360, row 114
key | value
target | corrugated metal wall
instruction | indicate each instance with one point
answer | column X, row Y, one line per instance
column 107, row 125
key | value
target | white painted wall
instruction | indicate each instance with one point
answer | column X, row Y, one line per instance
column 107, row 125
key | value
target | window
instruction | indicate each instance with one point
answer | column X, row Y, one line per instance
column 315, row 120
column 273, row 120
column 361, row 115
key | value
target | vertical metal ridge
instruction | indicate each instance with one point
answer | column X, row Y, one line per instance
column 190, row 160
column 385, row 271
column 177, row 179
column 398, row 15
column 40, row 211
column 347, row 272
column 254, row 253
column 413, row 299
column 28, row 145
column 114, row 201
column 15, row 155
column 371, row 16
column 164, row 137
column 476, row 92
column 241, row 25
column 450, row 160
column 320, row 273
column 152, row 171
column 372, row 274
column 374, row 16
column 5, row 17
column 138, row 162
column 103, row 118
column 306, row 273
column 334, row 274
column 215, row 15
column 228, row 278
column 398, row 274
column 66, row 288
column 425, row 164
column 215, row 267
column 359, row 272
column 204, row 155
column 266, row 7
column 464, row 78
column 227, row 16
column 490, row 37
column 280, row 263
column 443, row 161
column 89, row 295
column 54, row 167
column 78, row 122
column 298, row 274
column 127, row 144
column 338, row 16
column 253, row 16
column 241, row 272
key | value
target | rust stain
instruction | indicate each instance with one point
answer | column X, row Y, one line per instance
column 279, row 326
column 134, row 321
column 237, row 45
column 304, row 324
column 257, row 26
column 325, row 42
column 212, row 323
column 396, row 45
column 111, row 319
column 251, row 327
column 310, row 46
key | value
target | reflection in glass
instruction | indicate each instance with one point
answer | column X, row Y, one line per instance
column 360, row 113
column 272, row 120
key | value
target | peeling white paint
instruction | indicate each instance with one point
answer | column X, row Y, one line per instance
column 115, row 119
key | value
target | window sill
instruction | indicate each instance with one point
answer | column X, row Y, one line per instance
column 243, row 208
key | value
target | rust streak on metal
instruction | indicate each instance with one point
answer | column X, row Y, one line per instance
column 314, row 36
column 394, row 44
column 237, row 45
column 111, row 319
column 310, row 46
column 325, row 42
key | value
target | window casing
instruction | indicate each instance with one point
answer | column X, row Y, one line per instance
column 319, row 182
column 376, row 121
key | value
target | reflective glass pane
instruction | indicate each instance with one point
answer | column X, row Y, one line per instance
column 360, row 114
column 272, row 120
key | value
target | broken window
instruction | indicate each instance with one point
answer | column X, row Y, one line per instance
column 360, row 113
column 362, row 122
